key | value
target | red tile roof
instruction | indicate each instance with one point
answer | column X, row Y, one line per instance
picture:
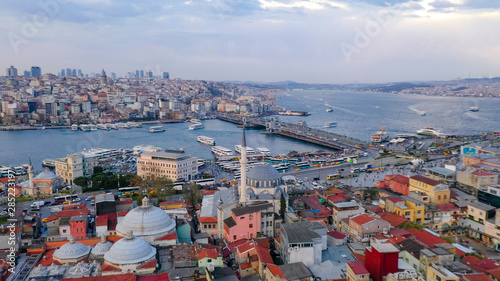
column 264, row 255
column 337, row 198
column 243, row 248
column 236, row 243
column 276, row 271
column 362, row 219
column 425, row 180
column 263, row 242
column 447, row 207
column 74, row 213
column 494, row 272
column 125, row 201
column 157, row 277
column 149, row 264
column 393, row 219
column 482, row 173
column 476, row 277
column 395, row 199
column 47, row 258
column 70, row 207
column 208, row 253
column 170, row 236
column 207, row 219
column 122, row 213
column 427, row 238
column 398, row 178
column 245, row 265
column 479, row 265
column 101, row 220
column 108, row 267
column 398, row 232
column 117, row 277
column 358, row 267
column 336, row 235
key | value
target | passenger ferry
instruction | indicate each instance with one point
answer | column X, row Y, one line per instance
column 206, row 140
column 423, row 113
column 194, row 120
column 123, row 126
column 134, row 125
column 112, row 126
column 102, row 127
column 380, row 136
column 74, row 127
column 93, row 127
column 474, row 108
column 85, row 127
column 138, row 149
column 264, row 151
column 221, row 151
column 429, row 131
column 330, row 124
column 156, row 129
column 237, row 148
column 196, row 126
column 49, row 163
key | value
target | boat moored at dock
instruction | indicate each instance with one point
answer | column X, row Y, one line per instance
column 221, row 151
column 237, row 148
column 263, row 151
column 380, row 136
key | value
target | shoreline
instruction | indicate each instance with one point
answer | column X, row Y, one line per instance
column 25, row 128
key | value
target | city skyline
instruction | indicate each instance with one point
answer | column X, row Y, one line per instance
column 223, row 40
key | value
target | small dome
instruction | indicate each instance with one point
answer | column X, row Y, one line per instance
column 72, row 250
column 45, row 175
column 130, row 250
column 263, row 176
column 146, row 220
column 102, row 247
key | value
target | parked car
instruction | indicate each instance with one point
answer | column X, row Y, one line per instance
column 90, row 198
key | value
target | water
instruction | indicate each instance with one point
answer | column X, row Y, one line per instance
column 356, row 113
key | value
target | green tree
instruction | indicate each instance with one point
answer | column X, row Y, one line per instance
column 99, row 181
column 98, row 170
column 192, row 195
column 282, row 206
column 81, row 181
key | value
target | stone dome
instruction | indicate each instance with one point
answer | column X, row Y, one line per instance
column 102, row 247
column 130, row 250
column 146, row 220
column 72, row 250
column 263, row 176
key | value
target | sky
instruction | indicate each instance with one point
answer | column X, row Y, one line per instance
column 311, row 41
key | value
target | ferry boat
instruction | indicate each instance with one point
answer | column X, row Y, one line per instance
column 85, row 127
column 293, row 113
column 196, row 126
column 156, row 129
column 49, row 163
column 330, row 109
column 112, row 126
column 194, row 120
column 237, row 148
column 264, row 151
column 134, row 125
column 330, row 124
column 221, row 151
column 474, row 108
column 123, row 126
column 429, row 131
column 138, row 149
column 423, row 113
column 74, row 127
column 206, row 140
column 380, row 136
column 93, row 127
column 102, row 127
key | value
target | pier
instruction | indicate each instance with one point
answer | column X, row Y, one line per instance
column 298, row 131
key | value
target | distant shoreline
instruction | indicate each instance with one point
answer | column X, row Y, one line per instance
column 24, row 128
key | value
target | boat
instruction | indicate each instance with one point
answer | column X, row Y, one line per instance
column 264, row 151
column 156, row 129
column 380, row 136
column 377, row 107
column 74, row 127
column 112, row 126
column 102, row 127
column 194, row 120
column 330, row 109
column 85, row 127
column 123, row 125
column 49, row 163
column 237, row 148
column 293, row 113
column 206, row 140
column 330, row 124
column 423, row 113
column 93, row 127
column 134, row 125
column 474, row 108
column 429, row 131
column 221, row 151
column 196, row 126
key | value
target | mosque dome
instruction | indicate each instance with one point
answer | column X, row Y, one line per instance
column 146, row 220
column 102, row 247
column 130, row 250
column 72, row 250
column 263, row 176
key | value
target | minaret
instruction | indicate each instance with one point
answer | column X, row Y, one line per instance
column 243, row 170
column 30, row 175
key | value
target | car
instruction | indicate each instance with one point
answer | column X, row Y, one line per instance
column 45, row 220
column 89, row 198
column 92, row 203
column 77, row 199
column 46, row 202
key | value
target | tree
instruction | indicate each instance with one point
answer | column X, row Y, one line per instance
column 98, row 170
column 282, row 206
column 99, row 181
column 81, row 181
column 139, row 199
column 192, row 195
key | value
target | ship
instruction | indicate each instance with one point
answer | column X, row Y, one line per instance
column 206, row 140
column 93, row 127
column 85, row 127
column 156, row 129
column 49, row 163
column 195, row 121
column 264, row 151
column 123, row 126
column 423, row 113
column 134, row 125
column 74, row 127
column 221, row 151
column 474, row 108
column 293, row 113
column 429, row 131
column 196, row 126
column 237, row 148
column 330, row 124
column 102, row 127
column 380, row 136
column 330, row 109
column 112, row 126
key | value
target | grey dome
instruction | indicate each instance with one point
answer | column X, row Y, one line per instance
column 101, row 248
column 72, row 250
column 130, row 250
column 146, row 220
column 45, row 175
column 263, row 176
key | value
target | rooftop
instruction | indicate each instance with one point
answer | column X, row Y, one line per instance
column 358, row 267
column 425, row 180
column 301, row 231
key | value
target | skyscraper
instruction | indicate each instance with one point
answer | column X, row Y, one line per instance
column 68, row 71
column 80, row 74
column 36, row 71
column 137, row 74
column 74, row 72
column 166, row 75
column 142, row 73
column 150, row 74
column 12, row 71
column 63, row 72
column 27, row 73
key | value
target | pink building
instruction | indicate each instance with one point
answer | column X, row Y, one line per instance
column 244, row 223
column 78, row 227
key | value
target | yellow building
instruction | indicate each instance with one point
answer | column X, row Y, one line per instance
column 159, row 163
column 439, row 273
column 356, row 271
column 438, row 192
column 480, row 212
column 411, row 209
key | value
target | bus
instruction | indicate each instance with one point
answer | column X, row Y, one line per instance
column 302, row 165
column 65, row 198
column 203, row 182
column 128, row 191
column 333, row 177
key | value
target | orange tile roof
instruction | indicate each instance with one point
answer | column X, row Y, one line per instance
column 108, row 267
column 149, row 264
column 245, row 265
column 362, row 219
column 494, row 272
column 170, row 236
column 157, row 277
column 208, row 253
column 479, row 265
column 476, row 277
column 276, row 271
column 207, row 219
column 117, row 277
column 243, row 248
column 358, row 267
column 262, row 242
column 264, row 255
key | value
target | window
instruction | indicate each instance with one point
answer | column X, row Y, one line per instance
column 209, row 260
column 242, row 218
column 234, row 237
column 64, row 230
column 250, row 225
column 205, row 226
column 251, row 217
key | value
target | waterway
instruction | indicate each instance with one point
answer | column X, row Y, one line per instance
column 358, row 115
